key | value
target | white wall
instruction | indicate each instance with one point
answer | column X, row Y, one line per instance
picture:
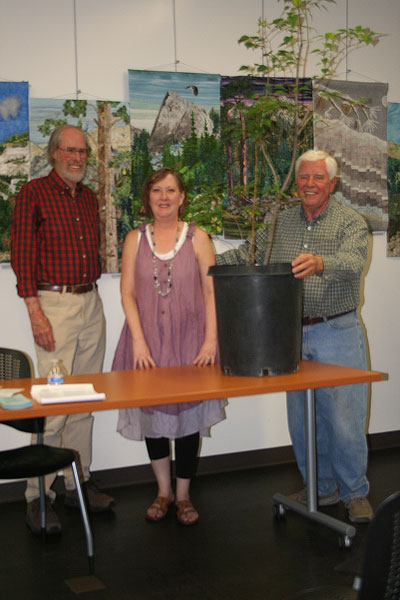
column 37, row 45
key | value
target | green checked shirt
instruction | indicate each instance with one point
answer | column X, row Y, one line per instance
column 339, row 235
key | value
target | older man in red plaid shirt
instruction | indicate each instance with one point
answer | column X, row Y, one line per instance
column 54, row 253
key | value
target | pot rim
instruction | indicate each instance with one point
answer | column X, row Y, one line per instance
column 243, row 270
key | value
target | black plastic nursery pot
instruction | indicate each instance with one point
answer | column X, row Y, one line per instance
column 259, row 312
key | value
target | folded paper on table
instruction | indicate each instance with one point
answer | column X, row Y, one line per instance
column 65, row 392
column 7, row 392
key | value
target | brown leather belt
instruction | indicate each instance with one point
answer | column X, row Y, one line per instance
column 71, row 289
column 314, row 320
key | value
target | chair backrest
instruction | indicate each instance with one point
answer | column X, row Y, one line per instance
column 381, row 572
column 15, row 364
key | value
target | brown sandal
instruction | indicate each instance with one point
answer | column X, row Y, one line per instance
column 183, row 509
column 161, row 505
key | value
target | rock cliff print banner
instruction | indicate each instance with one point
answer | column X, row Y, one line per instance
column 14, row 154
column 106, row 125
column 393, row 149
column 175, row 123
column 259, row 137
column 355, row 134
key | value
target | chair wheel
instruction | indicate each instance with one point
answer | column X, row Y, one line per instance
column 344, row 542
column 279, row 511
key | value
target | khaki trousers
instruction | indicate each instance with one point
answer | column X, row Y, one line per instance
column 79, row 330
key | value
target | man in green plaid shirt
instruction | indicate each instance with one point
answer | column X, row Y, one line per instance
column 326, row 243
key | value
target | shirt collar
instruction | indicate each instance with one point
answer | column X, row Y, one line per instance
column 61, row 183
column 321, row 217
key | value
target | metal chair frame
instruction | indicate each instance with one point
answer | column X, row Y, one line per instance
column 15, row 364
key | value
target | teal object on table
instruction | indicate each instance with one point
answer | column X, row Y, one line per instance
column 15, row 402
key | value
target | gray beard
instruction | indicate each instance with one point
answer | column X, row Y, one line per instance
column 75, row 177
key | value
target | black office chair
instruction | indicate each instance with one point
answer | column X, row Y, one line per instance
column 380, row 579
column 37, row 460
column 381, row 572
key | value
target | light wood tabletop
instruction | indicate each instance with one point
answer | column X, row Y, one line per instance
column 165, row 385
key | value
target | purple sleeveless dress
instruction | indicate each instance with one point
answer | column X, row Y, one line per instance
column 173, row 327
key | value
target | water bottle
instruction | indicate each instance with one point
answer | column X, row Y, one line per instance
column 56, row 373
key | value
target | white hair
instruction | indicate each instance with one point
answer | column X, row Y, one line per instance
column 314, row 155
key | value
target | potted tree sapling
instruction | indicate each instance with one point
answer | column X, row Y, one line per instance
column 259, row 305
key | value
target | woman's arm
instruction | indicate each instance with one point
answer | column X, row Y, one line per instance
column 205, row 256
column 142, row 358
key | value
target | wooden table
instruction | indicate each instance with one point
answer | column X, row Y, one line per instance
column 167, row 385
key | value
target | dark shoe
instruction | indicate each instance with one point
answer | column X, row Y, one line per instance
column 96, row 500
column 360, row 510
column 325, row 500
column 53, row 525
column 186, row 513
column 160, row 507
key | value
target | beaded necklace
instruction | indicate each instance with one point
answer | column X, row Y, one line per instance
column 171, row 264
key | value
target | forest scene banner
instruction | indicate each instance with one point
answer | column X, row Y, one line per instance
column 106, row 125
column 393, row 150
column 259, row 145
column 355, row 134
column 175, row 121
column 14, row 153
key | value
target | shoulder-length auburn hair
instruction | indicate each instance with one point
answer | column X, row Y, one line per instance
column 153, row 179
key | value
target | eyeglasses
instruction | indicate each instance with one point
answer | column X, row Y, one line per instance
column 72, row 151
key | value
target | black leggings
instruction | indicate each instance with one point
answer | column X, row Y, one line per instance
column 186, row 449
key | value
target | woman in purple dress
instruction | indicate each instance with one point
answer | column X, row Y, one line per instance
column 168, row 300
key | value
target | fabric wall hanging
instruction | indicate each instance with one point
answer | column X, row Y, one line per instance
column 14, row 153
column 106, row 124
column 356, row 136
column 393, row 149
column 258, row 135
column 175, row 120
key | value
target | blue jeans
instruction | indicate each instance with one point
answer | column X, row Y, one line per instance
column 341, row 411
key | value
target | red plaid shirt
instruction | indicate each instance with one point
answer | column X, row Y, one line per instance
column 54, row 236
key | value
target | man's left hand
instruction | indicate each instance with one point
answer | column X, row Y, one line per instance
column 305, row 265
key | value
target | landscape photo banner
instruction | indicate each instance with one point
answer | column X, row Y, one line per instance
column 175, row 123
column 393, row 149
column 355, row 134
column 107, row 128
column 14, row 153
column 259, row 137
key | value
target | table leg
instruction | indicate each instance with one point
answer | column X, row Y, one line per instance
column 310, row 511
